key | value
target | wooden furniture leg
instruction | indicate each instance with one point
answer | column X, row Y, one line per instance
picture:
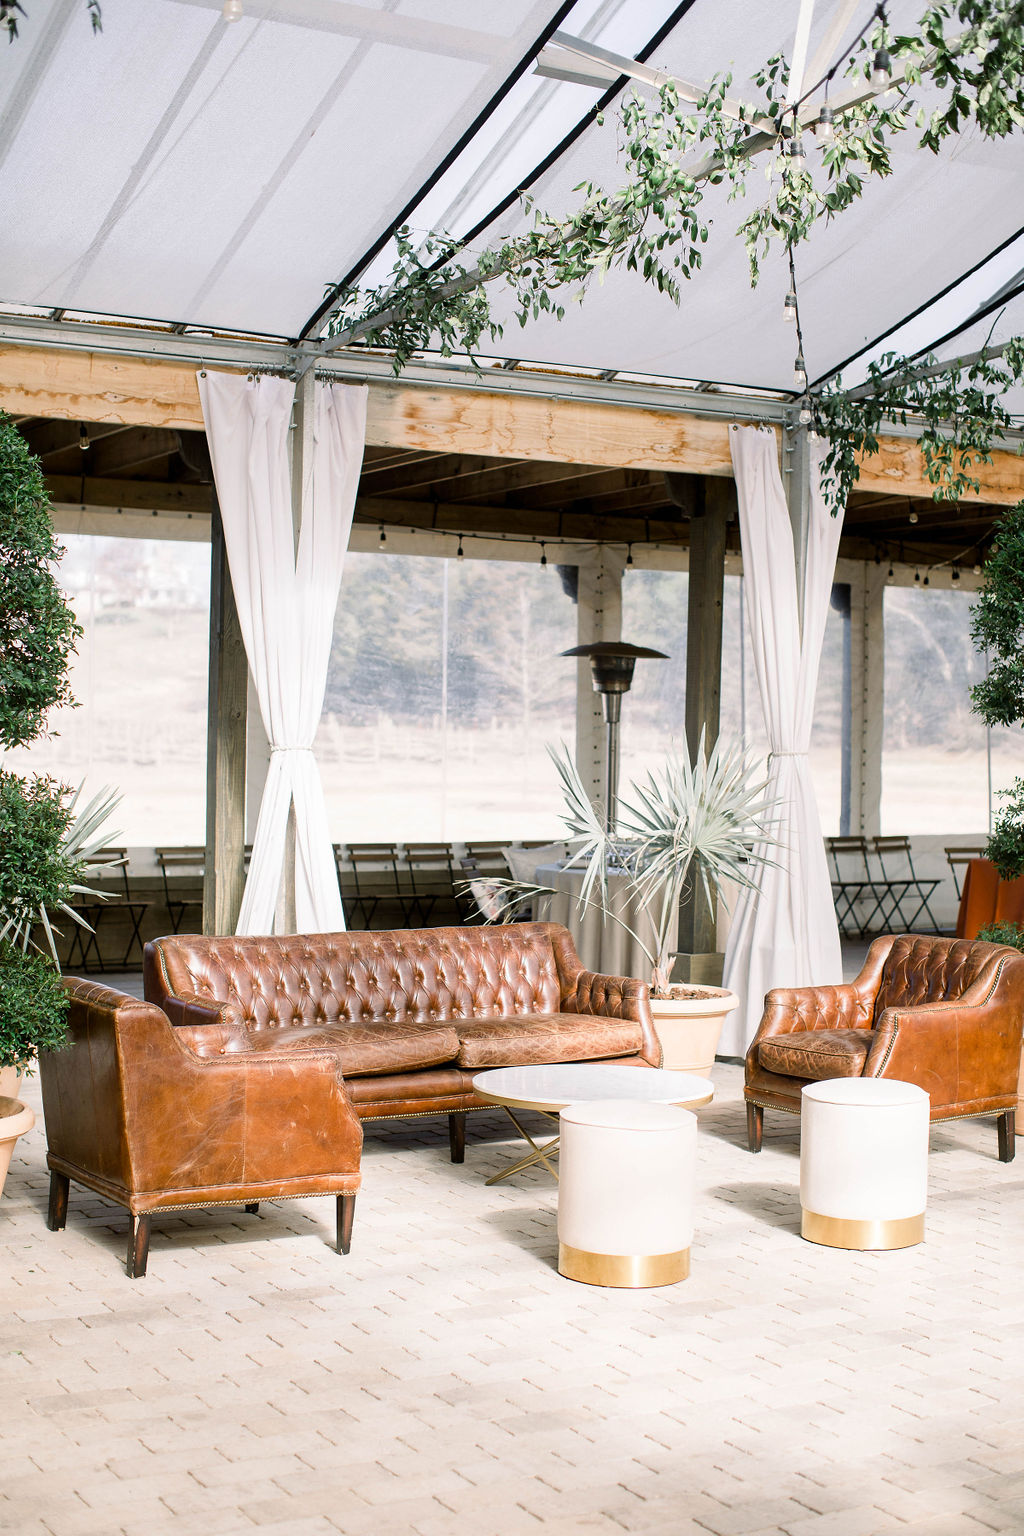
column 755, row 1127
column 457, row 1135
column 346, row 1212
column 57, row 1215
column 138, row 1245
column 1007, row 1139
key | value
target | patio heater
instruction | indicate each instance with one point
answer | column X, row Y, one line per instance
column 611, row 667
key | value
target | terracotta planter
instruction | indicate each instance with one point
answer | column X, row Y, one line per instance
column 11, row 1079
column 15, row 1120
column 689, row 1028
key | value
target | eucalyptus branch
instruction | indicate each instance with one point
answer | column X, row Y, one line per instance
column 957, row 408
column 674, row 149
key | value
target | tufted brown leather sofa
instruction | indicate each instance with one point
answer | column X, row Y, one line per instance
column 945, row 1014
column 412, row 1014
column 135, row 1113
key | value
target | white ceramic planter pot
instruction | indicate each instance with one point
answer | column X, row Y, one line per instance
column 15, row 1120
column 11, row 1080
column 690, row 1028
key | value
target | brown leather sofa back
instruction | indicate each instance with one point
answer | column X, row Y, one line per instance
column 930, row 970
column 404, row 976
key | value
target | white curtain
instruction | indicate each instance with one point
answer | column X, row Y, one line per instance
column 286, row 602
column 784, row 933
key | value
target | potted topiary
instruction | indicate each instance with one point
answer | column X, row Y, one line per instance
column 38, row 870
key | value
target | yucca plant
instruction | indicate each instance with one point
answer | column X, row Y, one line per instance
column 708, row 821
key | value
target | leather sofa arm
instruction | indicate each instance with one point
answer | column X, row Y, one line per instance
column 207, row 1026
column 959, row 1052
column 616, row 997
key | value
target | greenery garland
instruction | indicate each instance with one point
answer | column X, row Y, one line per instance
column 972, row 55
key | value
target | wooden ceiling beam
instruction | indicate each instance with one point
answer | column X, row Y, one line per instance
column 420, row 471
column 87, row 386
column 129, row 450
column 132, row 495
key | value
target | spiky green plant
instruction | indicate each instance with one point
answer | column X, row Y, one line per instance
column 78, row 845
column 708, row 822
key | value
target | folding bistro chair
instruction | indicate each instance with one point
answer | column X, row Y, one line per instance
column 112, row 862
column 186, row 867
column 858, row 895
column 431, row 882
column 908, row 894
column 375, row 883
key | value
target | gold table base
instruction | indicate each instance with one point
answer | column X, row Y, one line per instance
column 839, row 1232
column 632, row 1271
column 542, row 1152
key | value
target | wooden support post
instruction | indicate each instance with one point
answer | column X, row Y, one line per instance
column 868, row 668
column 598, row 617
column 710, row 516
column 224, row 879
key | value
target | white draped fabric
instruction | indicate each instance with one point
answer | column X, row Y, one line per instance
column 286, row 601
column 784, row 933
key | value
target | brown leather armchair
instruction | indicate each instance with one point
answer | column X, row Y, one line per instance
column 137, row 1113
column 945, row 1014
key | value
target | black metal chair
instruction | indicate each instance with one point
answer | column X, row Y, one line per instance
column 907, row 893
column 186, row 868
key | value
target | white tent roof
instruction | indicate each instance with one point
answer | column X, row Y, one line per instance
column 182, row 169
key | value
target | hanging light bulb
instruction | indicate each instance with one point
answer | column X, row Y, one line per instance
column 805, row 416
column 824, row 128
column 789, row 307
column 543, row 553
column 799, row 371
column 458, row 552
column 927, row 580
column 383, row 536
column 977, row 570
column 797, row 158
column 955, row 576
column 232, row 10
column 83, row 437
column 881, row 72
column 917, row 578
column 890, row 573
column 912, row 517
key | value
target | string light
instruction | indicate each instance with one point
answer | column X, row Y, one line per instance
column 543, row 553
column 629, row 554
column 977, row 570
column 955, row 576
column 800, row 371
column 824, row 128
column 913, row 517
column 805, row 416
column 458, row 552
column 797, row 158
column 789, row 307
column 890, row 573
column 917, row 578
column 383, row 536
column 83, row 437
column 881, row 72
column 927, row 580
column 232, row 10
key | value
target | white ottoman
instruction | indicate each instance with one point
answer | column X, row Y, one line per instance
column 625, row 1192
column 863, row 1163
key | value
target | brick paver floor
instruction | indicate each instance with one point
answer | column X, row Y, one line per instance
column 443, row 1378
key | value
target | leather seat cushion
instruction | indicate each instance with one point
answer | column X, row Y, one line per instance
column 530, row 1040
column 367, row 1050
column 816, row 1053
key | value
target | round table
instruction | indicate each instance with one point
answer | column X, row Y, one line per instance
column 549, row 1089
column 602, row 944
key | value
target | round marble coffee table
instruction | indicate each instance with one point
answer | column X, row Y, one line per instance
column 548, row 1089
